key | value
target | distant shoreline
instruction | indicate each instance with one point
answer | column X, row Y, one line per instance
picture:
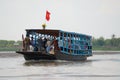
column 105, row 52
column 7, row 51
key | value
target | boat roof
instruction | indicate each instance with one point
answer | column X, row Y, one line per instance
column 45, row 31
column 52, row 32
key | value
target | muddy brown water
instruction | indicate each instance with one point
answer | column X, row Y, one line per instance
column 103, row 65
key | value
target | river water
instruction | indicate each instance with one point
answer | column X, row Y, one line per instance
column 98, row 67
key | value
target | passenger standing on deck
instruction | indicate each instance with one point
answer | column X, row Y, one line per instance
column 31, row 44
column 60, row 44
column 27, row 43
column 48, row 45
column 40, row 44
column 32, row 41
column 55, row 43
column 44, row 43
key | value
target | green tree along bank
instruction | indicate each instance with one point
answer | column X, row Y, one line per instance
column 10, row 45
column 97, row 43
column 106, row 44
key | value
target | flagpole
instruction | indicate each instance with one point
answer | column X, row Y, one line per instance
column 47, row 18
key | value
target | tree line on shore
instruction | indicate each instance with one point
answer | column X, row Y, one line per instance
column 97, row 43
column 106, row 44
column 10, row 45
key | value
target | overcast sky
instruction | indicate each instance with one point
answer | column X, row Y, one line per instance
column 93, row 17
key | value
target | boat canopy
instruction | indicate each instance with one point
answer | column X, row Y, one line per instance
column 55, row 33
column 46, row 31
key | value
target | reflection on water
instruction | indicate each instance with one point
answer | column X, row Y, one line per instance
column 56, row 63
column 41, row 63
column 105, row 67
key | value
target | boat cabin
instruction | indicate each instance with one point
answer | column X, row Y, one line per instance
column 66, row 42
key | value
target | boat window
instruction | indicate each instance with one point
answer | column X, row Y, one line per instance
column 73, row 43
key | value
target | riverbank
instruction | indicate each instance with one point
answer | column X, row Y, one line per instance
column 4, row 54
column 105, row 52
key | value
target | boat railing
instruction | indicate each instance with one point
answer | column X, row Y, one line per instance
column 84, row 50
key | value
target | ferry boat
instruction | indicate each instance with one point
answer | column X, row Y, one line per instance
column 49, row 44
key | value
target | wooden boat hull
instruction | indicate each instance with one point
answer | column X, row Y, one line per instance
column 46, row 56
column 37, row 55
column 69, row 57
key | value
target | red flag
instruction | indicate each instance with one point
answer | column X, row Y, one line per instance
column 47, row 15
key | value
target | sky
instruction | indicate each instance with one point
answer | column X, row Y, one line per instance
column 98, row 18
